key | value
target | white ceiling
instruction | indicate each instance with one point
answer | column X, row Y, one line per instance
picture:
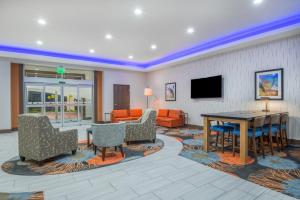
column 75, row 26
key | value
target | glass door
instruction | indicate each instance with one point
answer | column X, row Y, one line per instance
column 70, row 104
column 85, row 104
column 53, row 103
column 34, row 98
column 64, row 104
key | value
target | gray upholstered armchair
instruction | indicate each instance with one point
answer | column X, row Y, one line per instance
column 108, row 135
column 38, row 140
column 144, row 129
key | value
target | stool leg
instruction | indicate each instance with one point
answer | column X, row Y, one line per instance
column 233, row 145
column 217, row 140
column 262, row 145
column 254, row 147
column 222, row 142
column 286, row 137
column 277, row 141
column 271, row 143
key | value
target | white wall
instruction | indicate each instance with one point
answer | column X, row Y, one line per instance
column 136, row 80
column 237, row 69
column 5, row 114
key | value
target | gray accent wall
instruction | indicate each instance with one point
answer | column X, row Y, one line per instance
column 237, row 68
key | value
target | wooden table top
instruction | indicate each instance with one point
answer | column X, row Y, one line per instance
column 242, row 115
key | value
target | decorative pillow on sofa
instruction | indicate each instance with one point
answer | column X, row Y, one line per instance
column 120, row 113
column 163, row 113
column 135, row 112
column 174, row 113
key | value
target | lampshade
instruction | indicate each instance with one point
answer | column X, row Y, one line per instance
column 148, row 92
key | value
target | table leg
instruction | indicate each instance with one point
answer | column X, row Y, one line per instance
column 206, row 134
column 88, row 138
column 244, row 141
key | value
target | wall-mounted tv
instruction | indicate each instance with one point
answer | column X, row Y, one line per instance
column 210, row 87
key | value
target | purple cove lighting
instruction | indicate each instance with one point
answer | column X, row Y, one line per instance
column 68, row 56
column 244, row 34
column 275, row 25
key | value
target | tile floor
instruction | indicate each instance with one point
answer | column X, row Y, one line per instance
column 163, row 175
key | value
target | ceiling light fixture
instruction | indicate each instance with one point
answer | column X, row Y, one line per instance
column 138, row 11
column 130, row 57
column 42, row 22
column 153, row 46
column 39, row 42
column 257, row 2
column 92, row 51
column 190, row 30
column 108, row 36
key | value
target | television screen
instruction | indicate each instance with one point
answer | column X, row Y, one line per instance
column 210, row 87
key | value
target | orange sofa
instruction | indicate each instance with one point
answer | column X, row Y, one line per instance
column 125, row 115
column 170, row 118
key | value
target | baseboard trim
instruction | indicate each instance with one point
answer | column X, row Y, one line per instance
column 5, row 131
column 294, row 142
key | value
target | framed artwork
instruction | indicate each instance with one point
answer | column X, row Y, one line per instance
column 269, row 84
column 170, row 92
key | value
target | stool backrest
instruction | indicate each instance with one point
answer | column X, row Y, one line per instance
column 284, row 119
column 259, row 122
column 275, row 119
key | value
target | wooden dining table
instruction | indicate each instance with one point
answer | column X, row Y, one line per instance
column 240, row 117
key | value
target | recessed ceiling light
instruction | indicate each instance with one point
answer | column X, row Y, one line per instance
column 138, row 11
column 42, row 22
column 257, row 2
column 190, row 30
column 153, row 46
column 92, row 51
column 130, row 57
column 39, row 42
column 108, row 36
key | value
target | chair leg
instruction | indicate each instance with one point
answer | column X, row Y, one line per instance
column 95, row 149
column 103, row 153
column 115, row 148
column 121, row 149
column 222, row 137
column 262, row 145
column 22, row 158
column 254, row 147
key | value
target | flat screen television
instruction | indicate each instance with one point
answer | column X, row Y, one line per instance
column 210, row 87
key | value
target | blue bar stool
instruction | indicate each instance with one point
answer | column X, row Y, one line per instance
column 273, row 130
column 221, row 129
column 256, row 132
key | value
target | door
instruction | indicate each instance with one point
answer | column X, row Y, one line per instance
column 70, row 110
column 121, row 97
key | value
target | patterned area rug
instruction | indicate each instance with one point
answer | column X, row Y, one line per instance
column 22, row 196
column 84, row 159
column 280, row 172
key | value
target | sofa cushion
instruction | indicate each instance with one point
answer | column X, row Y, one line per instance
column 120, row 113
column 174, row 113
column 135, row 112
column 163, row 113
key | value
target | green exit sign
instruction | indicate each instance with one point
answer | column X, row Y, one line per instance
column 60, row 70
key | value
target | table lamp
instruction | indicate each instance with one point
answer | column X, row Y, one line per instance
column 147, row 93
column 266, row 100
